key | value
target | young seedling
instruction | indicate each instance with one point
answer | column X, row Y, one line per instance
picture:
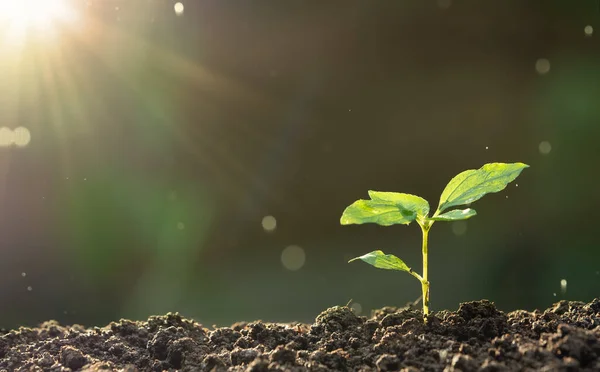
column 392, row 208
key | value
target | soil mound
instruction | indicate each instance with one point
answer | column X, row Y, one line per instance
column 477, row 337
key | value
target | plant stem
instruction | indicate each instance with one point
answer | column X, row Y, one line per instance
column 425, row 281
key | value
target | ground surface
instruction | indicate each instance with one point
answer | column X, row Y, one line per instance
column 565, row 337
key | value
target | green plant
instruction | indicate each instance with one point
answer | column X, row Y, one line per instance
column 392, row 208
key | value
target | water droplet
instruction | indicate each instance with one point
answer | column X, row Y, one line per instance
column 293, row 257
column 269, row 223
column 589, row 30
column 545, row 147
column 542, row 66
column 23, row 274
column 459, row 228
column 563, row 286
column 356, row 308
column 554, row 294
column 487, row 147
column 516, row 185
column 29, row 288
column 506, row 196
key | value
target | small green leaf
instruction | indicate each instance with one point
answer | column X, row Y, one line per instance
column 473, row 184
column 383, row 261
column 386, row 208
column 455, row 215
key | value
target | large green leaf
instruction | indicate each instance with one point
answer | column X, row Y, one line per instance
column 406, row 201
column 383, row 261
column 455, row 215
column 386, row 208
column 473, row 184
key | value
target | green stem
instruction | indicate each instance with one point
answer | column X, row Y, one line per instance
column 425, row 281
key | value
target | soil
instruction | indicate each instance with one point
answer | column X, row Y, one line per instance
column 476, row 337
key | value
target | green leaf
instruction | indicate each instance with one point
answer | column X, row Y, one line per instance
column 473, row 184
column 406, row 201
column 455, row 215
column 383, row 261
column 385, row 208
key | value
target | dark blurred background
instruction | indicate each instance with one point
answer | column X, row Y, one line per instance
column 196, row 157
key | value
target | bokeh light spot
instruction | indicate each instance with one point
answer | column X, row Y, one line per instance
column 30, row 288
column 589, row 30
column 180, row 225
column 179, row 8
column 6, row 136
column 21, row 136
column 269, row 223
column 356, row 308
column 563, row 286
column 23, row 274
column 545, row 147
column 459, row 228
column 542, row 66
column 293, row 257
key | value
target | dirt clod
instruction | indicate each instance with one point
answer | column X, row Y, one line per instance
column 388, row 362
column 477, row 337
column 70, row 357
column 462, row 362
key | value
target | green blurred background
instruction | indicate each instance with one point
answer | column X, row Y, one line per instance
column 174, row 159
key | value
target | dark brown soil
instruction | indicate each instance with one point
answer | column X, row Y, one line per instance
column 477, row 337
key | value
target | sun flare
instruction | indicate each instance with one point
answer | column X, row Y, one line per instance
column 35, row 14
